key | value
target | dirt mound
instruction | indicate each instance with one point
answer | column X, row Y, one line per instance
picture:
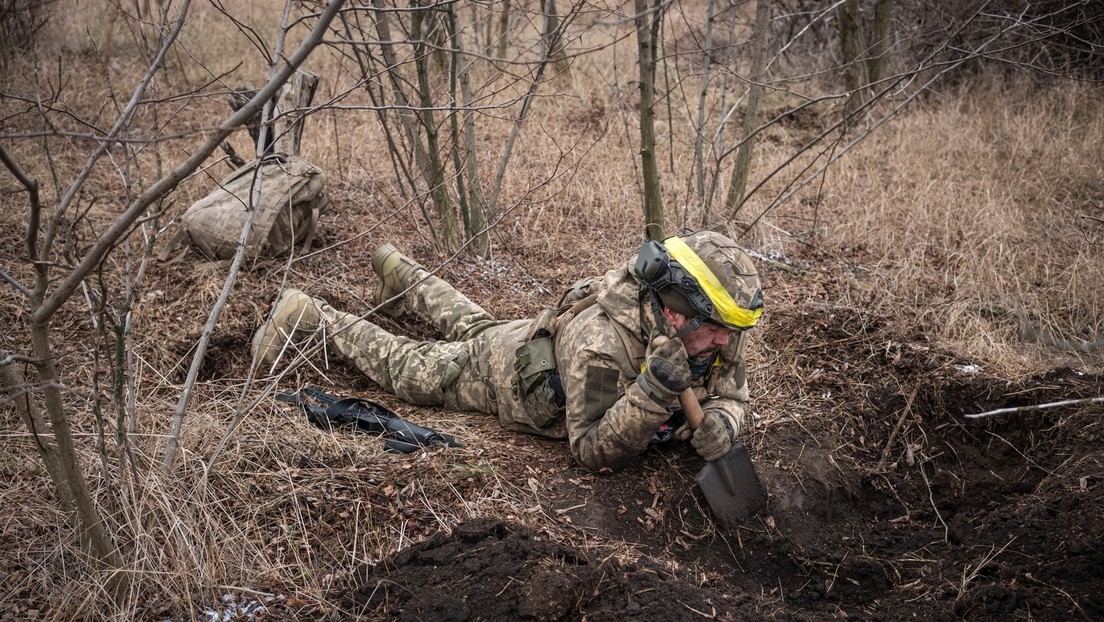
column 488, row 570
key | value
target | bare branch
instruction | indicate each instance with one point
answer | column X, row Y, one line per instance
column 36, row 214
column 1048, row 405
column 231, row 277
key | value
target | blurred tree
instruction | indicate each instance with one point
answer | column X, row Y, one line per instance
column 761, row 42
column 20, row 23
column 864, row 56
column 554, row 40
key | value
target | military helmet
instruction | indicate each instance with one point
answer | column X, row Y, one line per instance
column 703, row 275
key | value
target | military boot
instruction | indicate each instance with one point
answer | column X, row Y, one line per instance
column 396, row 271
column 295, row 318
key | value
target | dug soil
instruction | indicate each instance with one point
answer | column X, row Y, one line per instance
column 885, row 503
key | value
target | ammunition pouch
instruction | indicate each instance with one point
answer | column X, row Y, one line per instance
column 536, row 383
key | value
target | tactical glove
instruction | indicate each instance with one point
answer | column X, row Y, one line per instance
column 714, row 437
column 666, row 371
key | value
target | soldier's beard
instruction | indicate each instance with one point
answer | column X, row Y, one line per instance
column 706, row 355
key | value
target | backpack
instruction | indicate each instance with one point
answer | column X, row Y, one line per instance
column 291, row 199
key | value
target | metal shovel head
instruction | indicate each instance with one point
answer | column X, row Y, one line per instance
column 732, row 487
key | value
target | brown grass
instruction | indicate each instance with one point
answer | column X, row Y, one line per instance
column 970, row 223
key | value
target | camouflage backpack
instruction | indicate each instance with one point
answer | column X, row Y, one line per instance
column 291, row 199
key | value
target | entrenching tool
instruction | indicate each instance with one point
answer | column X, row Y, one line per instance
column 729, row 483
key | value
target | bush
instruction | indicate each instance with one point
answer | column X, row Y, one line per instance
column 20, row 22
column 1050, row 36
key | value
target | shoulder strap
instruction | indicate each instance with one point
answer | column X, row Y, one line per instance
column 566, row 313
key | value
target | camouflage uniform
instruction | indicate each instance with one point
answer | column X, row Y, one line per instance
column 608, row 419
column 600, row 353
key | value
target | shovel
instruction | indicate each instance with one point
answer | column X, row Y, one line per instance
column 730, row 483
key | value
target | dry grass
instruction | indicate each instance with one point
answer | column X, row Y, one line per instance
column 973, row 221
column 976, row 207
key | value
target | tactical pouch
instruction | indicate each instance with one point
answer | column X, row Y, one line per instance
column 536, row 383
column 536, row 358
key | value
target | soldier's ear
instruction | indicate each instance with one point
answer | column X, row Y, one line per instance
column 675, row 319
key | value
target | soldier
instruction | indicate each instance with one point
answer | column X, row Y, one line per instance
column 604, row 369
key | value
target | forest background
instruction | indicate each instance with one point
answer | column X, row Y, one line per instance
column 929, row 177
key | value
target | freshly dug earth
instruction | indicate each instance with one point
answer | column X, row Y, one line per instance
column 956, row 518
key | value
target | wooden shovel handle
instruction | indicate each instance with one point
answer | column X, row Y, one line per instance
column 689, row 402
column 691, row 408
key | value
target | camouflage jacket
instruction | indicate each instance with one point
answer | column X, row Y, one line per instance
column 599, row 355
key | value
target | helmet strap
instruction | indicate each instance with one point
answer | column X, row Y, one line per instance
column 690, row 327
column 657, row 311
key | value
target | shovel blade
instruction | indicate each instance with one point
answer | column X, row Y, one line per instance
column 732, row 487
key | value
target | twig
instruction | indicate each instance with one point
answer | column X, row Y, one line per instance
column 897, row 428
column 774, row 263
column 228, row 285
column 1020, row 409
column 16, row 284
column 1055, row 587
column 931, row 498
column 1022, row 455
column 6, row 358
column 985, row 561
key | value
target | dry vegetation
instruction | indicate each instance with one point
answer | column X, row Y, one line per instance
column 971, row 225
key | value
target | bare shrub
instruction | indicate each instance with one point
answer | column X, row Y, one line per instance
column 1048, row 36
column 20, row 23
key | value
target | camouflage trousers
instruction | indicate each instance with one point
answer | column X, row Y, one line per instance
column 471, row 369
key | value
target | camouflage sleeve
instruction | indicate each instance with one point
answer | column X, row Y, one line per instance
column 730, row 386
column 609, row 418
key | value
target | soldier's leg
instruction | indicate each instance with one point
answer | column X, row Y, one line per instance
column 429, row 373
column 452, row 313
column 432, row 373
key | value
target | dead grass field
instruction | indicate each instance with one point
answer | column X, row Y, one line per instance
column 950, row 263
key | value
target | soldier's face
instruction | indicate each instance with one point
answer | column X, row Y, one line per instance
column 702, row 342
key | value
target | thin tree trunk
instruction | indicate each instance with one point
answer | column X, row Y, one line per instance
column 738, row 183
column 476, row 221
column 455, row 139
column 851, row 48
column 377, row 97
column 646, row 22
column 422, row 158
column 881, row 40
column 60, row 459
column 503, row 29
column 554, row 39
column 699, row 138
column 435, row 174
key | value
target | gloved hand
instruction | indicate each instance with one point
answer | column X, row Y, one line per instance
column 666, row 371
column 713, row 438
